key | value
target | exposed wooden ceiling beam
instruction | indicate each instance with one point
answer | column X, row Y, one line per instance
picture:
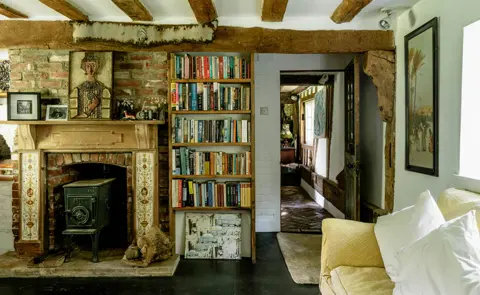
column 273, row 10
column 204, row 10
column 59, row 35
column 134, row 9
column 65, row 8
column 10, row 12
column 348, row 9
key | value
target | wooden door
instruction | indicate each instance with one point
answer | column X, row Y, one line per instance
column 352, row 140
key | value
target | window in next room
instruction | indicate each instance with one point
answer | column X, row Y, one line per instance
column 309, row 111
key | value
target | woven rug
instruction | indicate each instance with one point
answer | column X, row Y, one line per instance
column 302, row 256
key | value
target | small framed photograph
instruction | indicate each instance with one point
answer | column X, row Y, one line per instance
column 57, row 112
column 23, row 106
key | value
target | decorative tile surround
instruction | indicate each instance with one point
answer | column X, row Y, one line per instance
column 144, row 194
column 30, row 194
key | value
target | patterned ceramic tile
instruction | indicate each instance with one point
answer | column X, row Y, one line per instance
column 144, row 188
column 30, row 196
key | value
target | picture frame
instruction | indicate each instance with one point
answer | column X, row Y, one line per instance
column 23, row 106
column 421, row 99
column 57, row 113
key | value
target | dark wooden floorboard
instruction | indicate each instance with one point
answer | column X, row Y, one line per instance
column 268, row 276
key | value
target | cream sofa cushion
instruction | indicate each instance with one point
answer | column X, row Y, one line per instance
column 361, row 281
column 455, row 203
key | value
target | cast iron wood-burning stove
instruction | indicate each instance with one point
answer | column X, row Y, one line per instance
column 87, row 210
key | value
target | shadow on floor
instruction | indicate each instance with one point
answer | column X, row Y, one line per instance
column 268, row 276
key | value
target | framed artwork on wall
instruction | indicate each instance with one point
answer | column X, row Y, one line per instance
column 421, row 93
column 23, row 106
column 91, row 80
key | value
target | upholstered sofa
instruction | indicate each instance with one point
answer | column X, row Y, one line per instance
column 351, row 262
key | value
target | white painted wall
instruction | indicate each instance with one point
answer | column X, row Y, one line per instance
column 372, row 143
column 337, row 145
column 267, row 135
column 453, row 17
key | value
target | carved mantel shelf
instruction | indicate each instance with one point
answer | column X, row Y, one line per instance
column 86, row 122
column 87, row 135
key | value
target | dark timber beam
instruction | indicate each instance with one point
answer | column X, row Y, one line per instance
column 59, row 35
column 10, row 12
column 134, row 9
column 348, row 9
column 204, row 10
column 65, row 8
column 273, row 10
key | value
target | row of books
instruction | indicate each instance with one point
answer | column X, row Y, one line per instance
column 211, row 67
column 189, row 193
column 209, row 96
column 187, row 161
column 210, row 131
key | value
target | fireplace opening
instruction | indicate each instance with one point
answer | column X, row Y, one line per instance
column 118, row 233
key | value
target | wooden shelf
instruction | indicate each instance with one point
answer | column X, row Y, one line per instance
column 87, row 122
column 210, row 176
column 210, row 112
column 212, row 144
column 220, row 114
column 210, row 208
column 228, row 81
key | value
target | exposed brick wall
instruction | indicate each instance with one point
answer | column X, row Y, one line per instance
column 44, row 71
column 163, row 184
column 140, row 76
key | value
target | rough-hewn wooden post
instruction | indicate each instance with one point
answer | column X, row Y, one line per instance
column 380, row 65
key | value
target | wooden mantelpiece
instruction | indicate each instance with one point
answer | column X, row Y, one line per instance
column 86, row 135
column 81, row 142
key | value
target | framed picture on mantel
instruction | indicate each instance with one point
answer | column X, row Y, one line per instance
column 421, row 92
column 23, row 106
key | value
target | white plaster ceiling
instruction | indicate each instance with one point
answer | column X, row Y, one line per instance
column 300, row 14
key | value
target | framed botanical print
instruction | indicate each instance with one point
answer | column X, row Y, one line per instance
column 23, row 106
column 421, row 92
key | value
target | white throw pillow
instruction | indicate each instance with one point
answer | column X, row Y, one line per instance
column 399, row 229
column 445, row 262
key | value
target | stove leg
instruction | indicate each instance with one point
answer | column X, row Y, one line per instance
column 68, row 246
column 95, row 239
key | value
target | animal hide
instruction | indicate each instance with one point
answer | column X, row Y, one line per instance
column 143, row 35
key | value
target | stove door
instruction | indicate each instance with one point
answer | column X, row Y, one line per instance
column 80, row 211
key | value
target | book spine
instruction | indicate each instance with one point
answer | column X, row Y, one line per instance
column 193, row 90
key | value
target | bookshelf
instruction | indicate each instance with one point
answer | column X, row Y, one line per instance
column 198, row 125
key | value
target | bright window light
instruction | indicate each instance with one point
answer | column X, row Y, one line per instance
column 309, row 112
column 470, row 118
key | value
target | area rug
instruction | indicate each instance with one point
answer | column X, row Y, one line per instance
column 302, row 256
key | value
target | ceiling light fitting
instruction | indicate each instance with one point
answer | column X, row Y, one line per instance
column 385, row 23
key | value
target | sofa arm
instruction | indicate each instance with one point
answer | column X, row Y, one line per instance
column 348, row 243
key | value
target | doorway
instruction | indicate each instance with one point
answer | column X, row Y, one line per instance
column 300, row 150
